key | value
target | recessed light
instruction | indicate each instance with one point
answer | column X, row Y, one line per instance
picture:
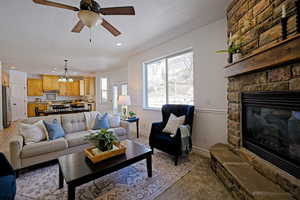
column 119, row 44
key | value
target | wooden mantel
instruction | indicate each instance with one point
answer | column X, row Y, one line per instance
column 283, row 52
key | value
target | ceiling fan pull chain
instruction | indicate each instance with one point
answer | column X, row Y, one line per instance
column 90, row 35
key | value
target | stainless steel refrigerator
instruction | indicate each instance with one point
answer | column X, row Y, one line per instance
column 6, row 108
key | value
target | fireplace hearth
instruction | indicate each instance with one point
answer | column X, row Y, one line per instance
column 271, row 128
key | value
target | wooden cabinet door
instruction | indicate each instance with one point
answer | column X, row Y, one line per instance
column 92, row 86
column 31, row 109
column 86, row 86
column 35, row 87
column 62, row 89
column 50, row 82
column 89, row 86
column 76, row 88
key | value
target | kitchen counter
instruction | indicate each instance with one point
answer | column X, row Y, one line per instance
column 63, row 111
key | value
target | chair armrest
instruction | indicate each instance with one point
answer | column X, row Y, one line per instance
column 126, row 125
column 6, row 168
column 15, row 147
column 156, row 128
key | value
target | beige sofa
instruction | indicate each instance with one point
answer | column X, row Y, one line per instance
column 75, row 128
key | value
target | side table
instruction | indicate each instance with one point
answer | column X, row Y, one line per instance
column 134, row 120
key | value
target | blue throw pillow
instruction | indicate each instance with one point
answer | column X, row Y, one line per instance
column 55, row 130
column 101, row 122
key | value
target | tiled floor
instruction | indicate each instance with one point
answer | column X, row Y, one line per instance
column 199, row 184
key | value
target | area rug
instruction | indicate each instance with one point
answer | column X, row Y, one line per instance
column 127, row 184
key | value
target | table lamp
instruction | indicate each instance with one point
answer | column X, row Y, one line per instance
column 125, row 101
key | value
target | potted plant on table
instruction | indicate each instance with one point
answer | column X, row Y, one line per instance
column 132, row 115
column 104, row 140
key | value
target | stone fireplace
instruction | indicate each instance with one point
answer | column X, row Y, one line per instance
column 262, row 158
column 271, row 128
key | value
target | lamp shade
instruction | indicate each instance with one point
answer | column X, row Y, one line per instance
column 124, row 100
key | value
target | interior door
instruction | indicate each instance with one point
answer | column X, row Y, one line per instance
column 18, row 102
column 18, row 95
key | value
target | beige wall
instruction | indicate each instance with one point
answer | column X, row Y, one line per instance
column 210, row 84
column 115, row 77
column 1, row 117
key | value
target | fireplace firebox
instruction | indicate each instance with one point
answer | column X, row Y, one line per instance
column 271, row 128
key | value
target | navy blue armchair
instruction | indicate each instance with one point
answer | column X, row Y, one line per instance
column 7, row 179
column 164, row 141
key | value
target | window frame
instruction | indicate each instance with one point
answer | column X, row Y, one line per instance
column 145, row 77
column 102, row 90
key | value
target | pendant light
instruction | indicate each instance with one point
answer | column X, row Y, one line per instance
column 65, row 77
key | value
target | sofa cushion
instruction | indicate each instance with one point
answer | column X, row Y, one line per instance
column 40, row 148
column 76, row 139
column 48, row 119
column 33, row 133
column 118, row 131
column 101, row 122
column 114, row 120
column 73, row 122
column 54, row 129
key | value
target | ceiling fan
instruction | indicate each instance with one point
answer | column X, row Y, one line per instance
column 90, row 14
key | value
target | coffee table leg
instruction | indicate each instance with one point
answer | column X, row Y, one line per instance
column 61, row 179
column 149, row 166
column 71, row 192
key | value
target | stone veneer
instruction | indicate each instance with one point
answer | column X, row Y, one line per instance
column 233, row 164
column 264, row 16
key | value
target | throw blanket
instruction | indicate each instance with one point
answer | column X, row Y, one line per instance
column 185, row 138
column 90, row 118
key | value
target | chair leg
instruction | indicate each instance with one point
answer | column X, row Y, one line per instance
column 152, row 150
column 176, row 160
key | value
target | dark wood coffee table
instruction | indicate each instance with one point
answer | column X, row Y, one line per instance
column 76, row 169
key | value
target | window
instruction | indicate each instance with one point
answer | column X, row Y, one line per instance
column 104, row 90
column 169, row 80
column 115, row 99
column 124, row 90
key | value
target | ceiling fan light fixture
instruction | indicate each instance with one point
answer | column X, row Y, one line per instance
column 89, row 18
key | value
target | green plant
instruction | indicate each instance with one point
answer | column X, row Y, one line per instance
column 132, row 114
column 103, row 139
column 233, row 49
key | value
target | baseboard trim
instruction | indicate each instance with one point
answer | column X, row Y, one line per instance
column 202, row 151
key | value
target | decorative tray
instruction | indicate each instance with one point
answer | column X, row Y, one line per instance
column 118, row 149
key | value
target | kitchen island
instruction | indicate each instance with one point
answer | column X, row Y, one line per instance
column 62, row 111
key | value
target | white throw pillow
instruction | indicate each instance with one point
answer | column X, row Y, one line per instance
column 33, row 133
column 114, row 121
column 174, row 123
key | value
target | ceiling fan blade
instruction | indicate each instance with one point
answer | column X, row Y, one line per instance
column 110, row 28
column 78, row 27
column 129, row 10
column 54, row 4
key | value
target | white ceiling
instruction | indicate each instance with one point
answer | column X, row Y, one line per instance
column 35, row 38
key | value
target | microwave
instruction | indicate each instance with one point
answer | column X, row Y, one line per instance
column 51, row 96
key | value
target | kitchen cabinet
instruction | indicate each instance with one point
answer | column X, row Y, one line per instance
column 5, row 79
column 89, row 86
column 50, row 83
column 35, row 87
column 31, row 108
column 69, row 89
column 75, row 88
